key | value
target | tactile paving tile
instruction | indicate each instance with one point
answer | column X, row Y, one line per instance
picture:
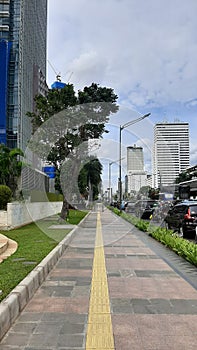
column 99, row 331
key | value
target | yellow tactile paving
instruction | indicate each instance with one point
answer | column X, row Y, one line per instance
column 99, row 318
column 99, row 331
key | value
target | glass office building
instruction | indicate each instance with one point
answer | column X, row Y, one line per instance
column 23, row 40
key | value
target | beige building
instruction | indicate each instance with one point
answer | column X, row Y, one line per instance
column 136, row 176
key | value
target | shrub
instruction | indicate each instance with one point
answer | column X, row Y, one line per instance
column 5, row 196
column 182, row 247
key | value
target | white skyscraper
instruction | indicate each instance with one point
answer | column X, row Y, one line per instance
column 136, row 176
column 171, row 152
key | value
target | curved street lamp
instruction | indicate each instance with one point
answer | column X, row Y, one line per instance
column 122, row 127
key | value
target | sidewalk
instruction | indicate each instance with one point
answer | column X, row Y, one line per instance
column 113, row 288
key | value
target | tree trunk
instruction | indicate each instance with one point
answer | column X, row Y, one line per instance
column 65, row 210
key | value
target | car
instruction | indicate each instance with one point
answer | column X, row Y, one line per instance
column 114, row 204
column 130, row 207
column 144, row 209
column 182, row 218
column 161, row 211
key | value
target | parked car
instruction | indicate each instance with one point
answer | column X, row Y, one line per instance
column 183, row 218
column 130, row 207
column 114, row 204
column 144, row 209
column 161, row 211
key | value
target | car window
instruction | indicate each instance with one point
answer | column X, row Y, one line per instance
column 181, row 209
column 173, row 210
column 193, row 209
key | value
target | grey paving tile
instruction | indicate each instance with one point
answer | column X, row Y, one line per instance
column 85, row 264
column 72, row 328
column 43, row 340
column 186, row 307
column 154, row 306
column 24, row 327
column 150, row 273
column 30, row 317
column 49, row 328
column 11, row 347
column 80, row 291
column 61, row 317
column 71, row 341
column 57, row 291
column 15, row 339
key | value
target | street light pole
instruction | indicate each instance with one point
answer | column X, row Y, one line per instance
column 110, row 181
column 122, row 127
column 120, row 166
column 109, row 185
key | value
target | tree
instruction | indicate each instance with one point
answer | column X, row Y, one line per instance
column 144, row 190
column 90, row 178
column 10, row 167
column 184, row 176
column 153, row 193
column 5, row 196
column 71, row 120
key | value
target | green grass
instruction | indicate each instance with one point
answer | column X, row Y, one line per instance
column 35, row 241
column 75, row 216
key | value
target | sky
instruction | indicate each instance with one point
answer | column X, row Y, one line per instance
column 146, row 50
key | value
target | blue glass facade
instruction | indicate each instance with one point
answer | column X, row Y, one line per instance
column 23, row 25
column 4, row 64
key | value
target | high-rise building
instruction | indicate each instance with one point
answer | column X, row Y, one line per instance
column 136, row 176
column 135, row 158
column 23, row 40
column 171, row 152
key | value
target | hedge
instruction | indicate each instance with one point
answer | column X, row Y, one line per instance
column 182, row 247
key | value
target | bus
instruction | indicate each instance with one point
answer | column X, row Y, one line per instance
column 188, row 189
column 166, row 196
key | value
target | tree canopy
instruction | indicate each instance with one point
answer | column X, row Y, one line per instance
column 90, row 178
column 10, row 166
column 185, row 176
column 64, row 122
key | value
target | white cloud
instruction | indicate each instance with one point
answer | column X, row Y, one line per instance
column 151, row 44
column 145, row 50
column 88, row 68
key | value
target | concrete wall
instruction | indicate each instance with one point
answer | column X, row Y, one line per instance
column 19, row 214
column 3, row 218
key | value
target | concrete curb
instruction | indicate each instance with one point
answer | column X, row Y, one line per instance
column 11, row 307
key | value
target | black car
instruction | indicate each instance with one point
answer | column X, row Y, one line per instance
column 144, row 209
column 183, row 218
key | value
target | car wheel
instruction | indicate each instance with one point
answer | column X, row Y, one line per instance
column 168, row 226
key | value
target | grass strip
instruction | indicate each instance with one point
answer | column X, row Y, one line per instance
column 35, row 241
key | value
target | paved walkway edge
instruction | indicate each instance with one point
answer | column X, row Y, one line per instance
column 11, row 307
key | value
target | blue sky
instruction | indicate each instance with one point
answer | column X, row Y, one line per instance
column 145, row 50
